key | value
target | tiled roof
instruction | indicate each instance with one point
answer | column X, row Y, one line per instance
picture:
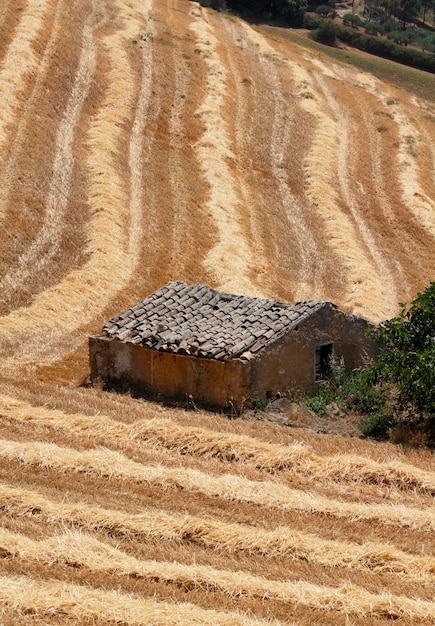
column 197, row 320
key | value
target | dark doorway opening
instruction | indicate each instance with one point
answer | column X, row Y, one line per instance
column 324, row 356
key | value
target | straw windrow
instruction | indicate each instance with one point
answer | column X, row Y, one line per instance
column 20, row 64
column 226, row 486
column 79, row 550
column 227, row 447
column 113, row 250
column 51, row 597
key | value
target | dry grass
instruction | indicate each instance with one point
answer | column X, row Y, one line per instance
column 22, row 595
column 228, row 447
column 78, row 550
column 19, row 65
column 112, row 465
column 41, row 252
column 230, row 261
column 146, row 141
column 226, row 486
column 71, row 303
column 282, row 542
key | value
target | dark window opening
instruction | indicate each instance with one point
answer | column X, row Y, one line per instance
column 324, row 356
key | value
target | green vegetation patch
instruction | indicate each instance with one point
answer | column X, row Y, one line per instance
column 417, row 82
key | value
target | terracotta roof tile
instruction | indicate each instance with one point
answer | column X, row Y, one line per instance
column 194, row 319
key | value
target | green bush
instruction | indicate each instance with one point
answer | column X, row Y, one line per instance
column 326, row 33
column 325, row 10
column 350, row 19
column 406, row 366
column 317, row 403
column 399, row 37
column 374, row 45
column 354, row 391
column 312, row 21
column 374, row 28
column 428, row 43
column 377, row 426
column 407, row 361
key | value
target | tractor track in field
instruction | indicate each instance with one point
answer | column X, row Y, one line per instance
column 143, row 141
column 46, row 245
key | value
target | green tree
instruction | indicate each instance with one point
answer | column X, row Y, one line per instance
column 289, row 10
column 351, row 19
column 374, row 28
column 326, row 33
column 294, row 10
column 325, row 10
column 409, row 10
column 407, row 361
column 427, row 7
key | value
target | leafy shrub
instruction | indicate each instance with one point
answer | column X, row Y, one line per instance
column 374, row 28
column 428, row 43
column 399, row 37
column 311, row 21
column 258, row 403
column 325, row 10
column 354, row 391
column 389, row 25
column 293, row 11
column 317, row 403
column 377, row 426
column 374, row 45
column 406, row 366
column 351, row 19
column 408, row 357
column 327, row 33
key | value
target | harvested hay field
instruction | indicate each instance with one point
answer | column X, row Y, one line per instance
column 144, row 141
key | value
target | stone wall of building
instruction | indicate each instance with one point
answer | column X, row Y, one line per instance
column 287, row 365
column 213, row 384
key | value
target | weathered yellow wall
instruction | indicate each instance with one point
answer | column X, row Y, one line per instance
column 173, row 376
column 286, row 365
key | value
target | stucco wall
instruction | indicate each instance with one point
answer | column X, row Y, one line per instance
column 173, row 376
column 288, row 364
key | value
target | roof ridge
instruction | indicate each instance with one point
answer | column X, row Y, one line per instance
column 201, row 320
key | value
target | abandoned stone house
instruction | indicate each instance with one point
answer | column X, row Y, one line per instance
column 190, row 341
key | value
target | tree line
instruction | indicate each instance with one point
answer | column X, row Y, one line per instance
column 292, row 11
column 289, row 11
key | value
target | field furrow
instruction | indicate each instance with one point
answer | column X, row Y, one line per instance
column 347, row 174
column 19, row 66
column 230, row 262
column 80, row 550
column 415, row 187
column 244, row 119
column 22, row 594
column 136, row 144
column 320, row 164
column 41, row 251
column 227, row 447
column 213, row 534
column 279, row 133
column 226, row 486
column 415, row 196
column 71, row 303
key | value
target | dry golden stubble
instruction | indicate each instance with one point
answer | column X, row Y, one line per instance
column 102, row 463
column 51, row 597
column 228, row 447
column 78, row 550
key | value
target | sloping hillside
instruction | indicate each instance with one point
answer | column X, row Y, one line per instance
column 143, row 141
